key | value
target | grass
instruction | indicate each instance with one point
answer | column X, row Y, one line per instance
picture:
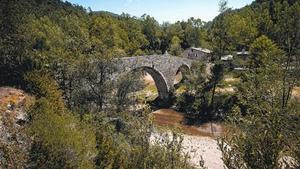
column 181, row 89
column 228, row 84
column 296, row 93
column 149, row 93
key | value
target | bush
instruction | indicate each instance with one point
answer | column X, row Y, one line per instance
column 60, row 141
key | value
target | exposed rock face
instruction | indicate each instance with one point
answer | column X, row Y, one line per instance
column 12, row 103
column 14, row 143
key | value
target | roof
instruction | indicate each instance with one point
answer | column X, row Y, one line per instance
column 227, row 57
column 202, row 50
column 243, row 53
column 240, row 68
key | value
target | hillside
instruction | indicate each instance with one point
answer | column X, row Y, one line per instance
column 85, row 108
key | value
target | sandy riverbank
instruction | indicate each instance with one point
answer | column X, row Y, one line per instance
column 198, row 148
column 204, row 147
column 198, row 141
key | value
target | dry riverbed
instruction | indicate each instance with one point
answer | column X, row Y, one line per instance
column 198, row 141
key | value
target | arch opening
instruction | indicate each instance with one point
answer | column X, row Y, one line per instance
column 155, row 85
column 181, row 74
column 157, row 79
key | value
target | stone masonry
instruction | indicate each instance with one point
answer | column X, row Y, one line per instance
column 162, row 68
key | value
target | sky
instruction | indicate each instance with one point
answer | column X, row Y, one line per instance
column 162, row 10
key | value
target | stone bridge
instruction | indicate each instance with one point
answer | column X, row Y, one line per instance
column 162, row 68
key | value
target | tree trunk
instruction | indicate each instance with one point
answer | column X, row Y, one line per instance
column 213, row 97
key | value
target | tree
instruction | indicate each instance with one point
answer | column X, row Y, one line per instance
column 92, row 85
column 194, row 34
column 56, row 144
column 60, row 140
column 287, row 35
column 219, row 34
column 223, row 6
column 217, row 76
column 175, row 48
column 13, row 61
column 259, row 122
column 152, row 32
column 195, row 100
column 137, row 39
column 169, row 32
column 127, row 85
column 241, row 30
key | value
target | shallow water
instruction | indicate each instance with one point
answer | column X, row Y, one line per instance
column 172, row 118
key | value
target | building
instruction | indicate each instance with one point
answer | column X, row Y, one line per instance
column 243, row 54
column 197, row 54
column 227, row 58
column 241, row 61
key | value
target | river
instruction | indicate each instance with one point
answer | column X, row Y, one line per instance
column 198, row 140
column 172, row 118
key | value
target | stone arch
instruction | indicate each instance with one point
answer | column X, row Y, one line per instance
column 182, row 70
column 159, row 79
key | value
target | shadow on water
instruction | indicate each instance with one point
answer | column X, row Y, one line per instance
column 172, row 118
column 158, row 103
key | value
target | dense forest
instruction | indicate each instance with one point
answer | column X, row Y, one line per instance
column 46, row 48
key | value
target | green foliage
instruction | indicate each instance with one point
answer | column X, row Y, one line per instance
column 241, row 29
column 127, row 85
column 13, row 62
column 217, row 72
column 60, row 140
column 42, row 85
column 257, row 143
column 46, row 39
column 194, row 34
column 32, row 38
column 235, row 30
column 198, row 99
column 63, row 43
column 218, row 35
column 223, row 6
column 265, row 54
column 264, row 80
column 137, row 39
column 131, row 145
column 91, row 85
column 152, row 31
column 175, row 46
column 260, row 122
